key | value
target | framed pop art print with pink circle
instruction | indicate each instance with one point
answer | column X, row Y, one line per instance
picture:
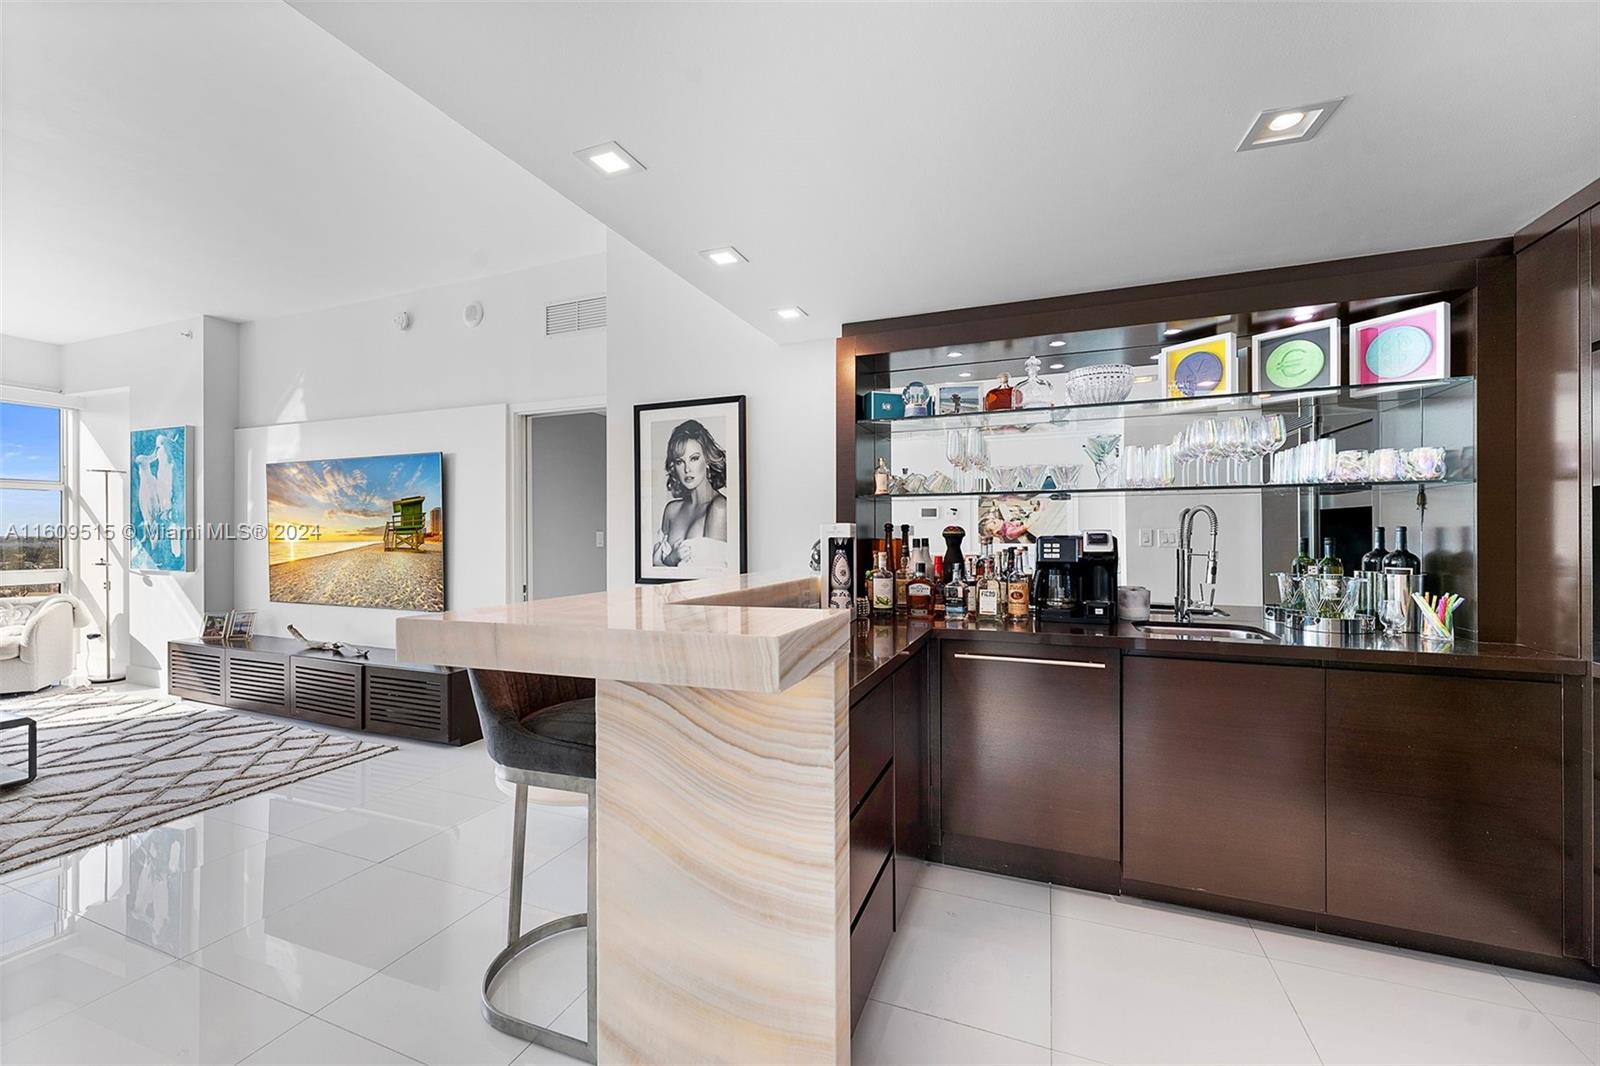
column 1405, row 346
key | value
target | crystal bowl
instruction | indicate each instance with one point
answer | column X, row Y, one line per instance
column 1104, row 383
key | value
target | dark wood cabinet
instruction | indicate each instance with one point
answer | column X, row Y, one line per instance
column 1223, row 788
column 871, row 843
column 1445, row 806
column 1030, row 741
column 912, row 784
column 871, row 739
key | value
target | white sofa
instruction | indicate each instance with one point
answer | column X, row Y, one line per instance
column 37, row 643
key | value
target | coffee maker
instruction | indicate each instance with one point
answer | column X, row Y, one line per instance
column 1076, row 578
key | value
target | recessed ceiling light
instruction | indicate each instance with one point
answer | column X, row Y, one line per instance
column 611, row 160
column 1305, row 314
column 1171, row 331
column 952, row 355
column 1057, row 366
column 726, row 256
column 1155, row 358
column 1058, row 344
column 789, row 314
column 964, row 374
column 1286, row 125
column 1143, row 379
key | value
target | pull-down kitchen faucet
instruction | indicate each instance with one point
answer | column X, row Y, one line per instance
column 1183, row 603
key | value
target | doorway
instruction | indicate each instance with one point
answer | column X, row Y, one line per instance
column 564, row 521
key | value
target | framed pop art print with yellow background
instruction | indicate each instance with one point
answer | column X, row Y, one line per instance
column 1199, row 368
column 1304, row 356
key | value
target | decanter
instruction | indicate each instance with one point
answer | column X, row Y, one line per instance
column 1000, row 398
column 1035, row 391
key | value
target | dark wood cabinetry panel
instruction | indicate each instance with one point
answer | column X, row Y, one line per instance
column 1552, row 363
column 1031, row 757
column 1223, row 788
column 871, row 739
column 1445, row 806
column 871, row 841
column 911, row 782
column 258, row 681
column 869, row 941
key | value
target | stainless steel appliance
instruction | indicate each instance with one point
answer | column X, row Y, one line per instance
column 1076, row 578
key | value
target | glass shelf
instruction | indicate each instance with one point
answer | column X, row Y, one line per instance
column 1329, row 487
column 1361, row 397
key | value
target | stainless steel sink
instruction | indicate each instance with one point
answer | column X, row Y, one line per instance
column 1204, row 631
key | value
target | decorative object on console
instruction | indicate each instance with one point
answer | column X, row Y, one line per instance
column 959, row 399
column 241, row 625
column 338, row 648
column 1199, row 368
column 1405, row 346
column 918, row 400
column 689, row 489
column 361, row 532
column 214, row 625
column 1101, row 383
column 1306, row 356
column 159, row 502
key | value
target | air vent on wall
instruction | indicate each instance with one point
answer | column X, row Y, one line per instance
column 575, row 315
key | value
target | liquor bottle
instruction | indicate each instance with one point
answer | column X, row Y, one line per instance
column 1035, row 391
column 1401, row 558
column 902, row 582
column 1303, row 563
column 955, row 596
column 970, row 578
column 991, row 593
column 938, row 588
column 882, row 585
column 919, row 593
column 1000, row 397
column 1018, row 584
column 891, row 546
column 1330, row 565
column 1373, row 560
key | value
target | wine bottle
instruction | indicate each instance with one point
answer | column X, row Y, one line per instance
column 1303, row 563
column 1373, row 560
column 1401, row 558
column 1330, row 565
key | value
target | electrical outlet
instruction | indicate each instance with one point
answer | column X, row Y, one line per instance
column 1147, row 538
column 1169, row 538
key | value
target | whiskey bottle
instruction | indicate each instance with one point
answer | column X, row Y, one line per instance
column 938, row 587
column 902, row 581
column 970, row 578
column 881, row 581
column 991, row 592
column 919, row 593
column 999, row 398
column 955, row 596
column 1017, row 587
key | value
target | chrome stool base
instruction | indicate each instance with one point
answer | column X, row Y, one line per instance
column 517, row 942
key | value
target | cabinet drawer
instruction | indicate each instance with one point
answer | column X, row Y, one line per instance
column 1223, row 779
column 871, row 840
column 869, row 941
column 871, row 739
column 1445, row 806
column 258, row 682
column 407, row 703
column 1030, row 741
column 195, row 672
column 326, row 692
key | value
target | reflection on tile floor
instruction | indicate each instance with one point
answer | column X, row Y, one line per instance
column 348, row 919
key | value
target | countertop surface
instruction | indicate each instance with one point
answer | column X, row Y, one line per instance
column 753, row 632
column 877, row 647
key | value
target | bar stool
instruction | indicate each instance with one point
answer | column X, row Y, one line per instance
column 539, row 731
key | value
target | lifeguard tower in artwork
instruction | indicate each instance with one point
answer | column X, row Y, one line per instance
column 407, row 527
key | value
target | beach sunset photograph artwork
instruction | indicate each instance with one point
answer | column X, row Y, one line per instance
column 365, row 532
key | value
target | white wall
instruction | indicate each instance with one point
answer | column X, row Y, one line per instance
column 567, row 495
column 476, row 446
column 32, row 363
column 148, row 378
column 666, row 340
column 350, row 361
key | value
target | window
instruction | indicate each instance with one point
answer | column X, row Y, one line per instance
column 33, row 495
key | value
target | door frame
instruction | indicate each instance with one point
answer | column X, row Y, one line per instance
column 522, row 416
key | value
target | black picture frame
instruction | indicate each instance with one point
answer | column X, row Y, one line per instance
column 645, row 570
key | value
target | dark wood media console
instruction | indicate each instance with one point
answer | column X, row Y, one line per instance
column 274, row 675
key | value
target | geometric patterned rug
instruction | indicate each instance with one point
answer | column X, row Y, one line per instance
column 113, row 763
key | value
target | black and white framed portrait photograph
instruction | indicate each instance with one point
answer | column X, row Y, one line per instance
column 689, row 491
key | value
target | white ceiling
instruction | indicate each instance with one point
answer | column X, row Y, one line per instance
column 877, row 160
column 159, row 161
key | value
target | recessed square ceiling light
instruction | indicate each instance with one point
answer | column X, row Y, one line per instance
column 952, row 355
column 1057, row 366
column 610, row 160
column 725, row 257
column 1285, row 125
column 789, row 314
column 1058, row 344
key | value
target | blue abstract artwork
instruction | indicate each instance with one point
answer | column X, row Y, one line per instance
column 158, row 508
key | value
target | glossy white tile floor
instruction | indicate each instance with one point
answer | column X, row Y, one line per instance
column 348, row 919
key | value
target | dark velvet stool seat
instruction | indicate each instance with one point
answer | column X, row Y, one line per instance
column 540, row 732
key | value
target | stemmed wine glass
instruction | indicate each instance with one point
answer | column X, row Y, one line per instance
column 977, row 457
column 955, row 450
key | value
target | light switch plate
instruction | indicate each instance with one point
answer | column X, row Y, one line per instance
column 599, row 538
column 1147, row 538
column 1169, row 538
